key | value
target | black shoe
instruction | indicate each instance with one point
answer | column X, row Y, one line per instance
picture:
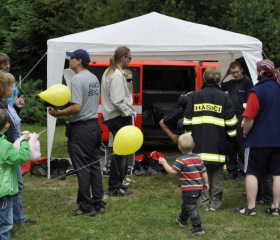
column 100, row 207
column 119, row 193
column 182, row 223
column 124, row 187
column 54, row 168
column 30, row 221
column 63, row 165
column 100, row 210
column 197, row 231
column 90, row 213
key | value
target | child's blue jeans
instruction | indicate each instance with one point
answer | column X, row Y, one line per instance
column 189, row 208
column 6, row 217
column 19, row 217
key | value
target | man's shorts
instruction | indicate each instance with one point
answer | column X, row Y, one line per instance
column 262, row 161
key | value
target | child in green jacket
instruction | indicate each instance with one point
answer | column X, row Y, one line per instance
column 9, row 158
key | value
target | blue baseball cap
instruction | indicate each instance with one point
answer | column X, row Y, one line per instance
column 80, row 54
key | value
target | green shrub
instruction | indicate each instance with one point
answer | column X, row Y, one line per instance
column 34, row 111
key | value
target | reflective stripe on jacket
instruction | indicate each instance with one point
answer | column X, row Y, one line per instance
column 210, row 118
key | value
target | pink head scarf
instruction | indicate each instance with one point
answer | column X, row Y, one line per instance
column 266, row 69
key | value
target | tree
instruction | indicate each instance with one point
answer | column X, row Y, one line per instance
column 259, row 19
column 27, row 25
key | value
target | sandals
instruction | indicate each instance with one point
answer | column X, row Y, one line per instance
column 275, row 212
column 247, row 212
column 127, row 181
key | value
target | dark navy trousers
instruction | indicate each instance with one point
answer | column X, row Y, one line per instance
column 84, row 146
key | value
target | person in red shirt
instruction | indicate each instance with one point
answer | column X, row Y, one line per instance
column 261, row 137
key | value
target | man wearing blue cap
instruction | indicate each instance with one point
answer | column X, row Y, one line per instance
column 84, row 135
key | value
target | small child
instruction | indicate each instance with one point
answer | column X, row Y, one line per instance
column 9, row 158
column 193, row 178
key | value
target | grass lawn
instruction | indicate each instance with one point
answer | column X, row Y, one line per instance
column 147, row 214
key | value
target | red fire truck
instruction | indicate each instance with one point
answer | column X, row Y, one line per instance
column 157, row 88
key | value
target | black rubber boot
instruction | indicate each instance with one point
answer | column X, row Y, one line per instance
column 63, row 165
column 54, row 168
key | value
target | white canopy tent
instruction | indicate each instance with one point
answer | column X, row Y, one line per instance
column 152, row 37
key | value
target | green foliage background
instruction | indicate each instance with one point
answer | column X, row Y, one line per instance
column 25, row 26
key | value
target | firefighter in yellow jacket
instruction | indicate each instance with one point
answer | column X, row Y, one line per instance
column 210, row 118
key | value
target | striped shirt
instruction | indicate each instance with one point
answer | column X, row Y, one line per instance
column 190, row 168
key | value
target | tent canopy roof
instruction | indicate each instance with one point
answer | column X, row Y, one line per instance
column 156, row 33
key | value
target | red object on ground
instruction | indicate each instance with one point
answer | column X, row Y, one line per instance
column 139, row 158
column 26, row 167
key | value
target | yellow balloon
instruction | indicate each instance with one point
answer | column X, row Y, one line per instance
column 57, row 95
column 127, row 140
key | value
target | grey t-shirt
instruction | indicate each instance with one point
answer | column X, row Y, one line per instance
column 85, row 91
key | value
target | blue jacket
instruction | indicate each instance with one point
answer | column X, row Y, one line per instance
column 265, row 131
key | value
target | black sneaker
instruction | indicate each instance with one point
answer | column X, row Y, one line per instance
column 90, row 213
column 30, row 221
column 100, row 210
column 182, row 223
column 119, row 193
column 197, row 231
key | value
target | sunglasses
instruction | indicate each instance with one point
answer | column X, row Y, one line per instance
column 129, row 80
column 129, row 58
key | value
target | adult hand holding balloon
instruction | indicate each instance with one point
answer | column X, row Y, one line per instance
column 127, row 140
column 57, row 95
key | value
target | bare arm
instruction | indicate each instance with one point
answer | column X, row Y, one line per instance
column 247, row 124
column 205, row 181
column 166, row 166
column 224, row 77
column 170, row 134
column 72, row 109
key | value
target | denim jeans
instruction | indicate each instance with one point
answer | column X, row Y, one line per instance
column 6, row 217
column 18, row 215
column 189, row 208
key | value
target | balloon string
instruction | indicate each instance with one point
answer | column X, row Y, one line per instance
column 64, row 175
column 32, row 69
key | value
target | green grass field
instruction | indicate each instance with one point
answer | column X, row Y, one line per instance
column 147, row 214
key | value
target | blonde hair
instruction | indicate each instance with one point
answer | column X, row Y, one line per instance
column 126, row 73
column 118, row 54
column 212, row 75
column 185, row 141
column 5, row 81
